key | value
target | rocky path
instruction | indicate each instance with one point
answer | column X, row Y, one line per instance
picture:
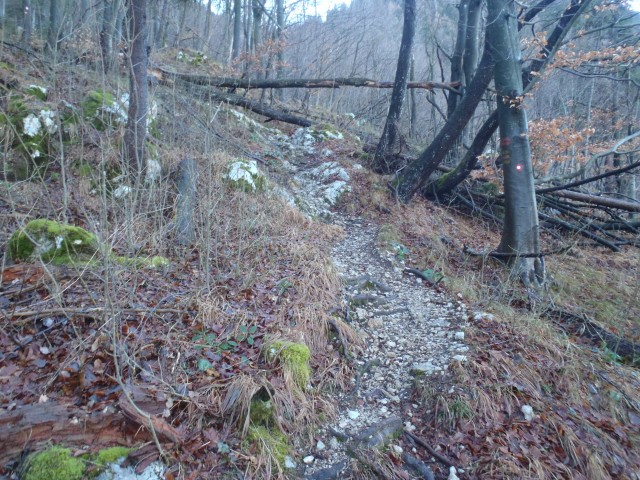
column 408, row 328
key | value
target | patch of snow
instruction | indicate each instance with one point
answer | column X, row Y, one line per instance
column 289, row 463
column 122, row 191
column 38, row 87
column 31, row 125
column 452, row 474
column 459, row 336
column 154, row 471
column 48, row 119
column 527, row 411
column 154, row 170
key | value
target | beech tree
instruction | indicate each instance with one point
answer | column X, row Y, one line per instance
column 520, row 233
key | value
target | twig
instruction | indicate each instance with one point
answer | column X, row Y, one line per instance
column 441, row 458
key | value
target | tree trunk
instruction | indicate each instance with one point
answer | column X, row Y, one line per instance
column 237, row 29
column 54, row 26
column 456, row 58
column 106, row 35
column 472, row 35
column 256, row 8
column 187, row 184
column 520, row 234
column 280, row 44
column 134, row 137
column 230, row 82
column 27, row 23
column 383, row 161
column 207, row 27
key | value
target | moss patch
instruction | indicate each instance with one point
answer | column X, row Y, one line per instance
column 52, row 242
column 261, row 412
column 56, row 463
column 271, row 442
column 294, row 358
column 110, row 455
column 60, row 244
column 102, row 110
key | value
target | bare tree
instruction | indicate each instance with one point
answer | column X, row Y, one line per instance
column 134, row 137
column 383, row 162
column 237, row 28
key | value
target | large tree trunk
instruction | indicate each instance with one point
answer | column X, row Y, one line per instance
column 383, row 161
column 134, row 137
column 520, row 234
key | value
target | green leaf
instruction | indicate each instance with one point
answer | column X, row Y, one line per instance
column 250, row 340
column 204, row 365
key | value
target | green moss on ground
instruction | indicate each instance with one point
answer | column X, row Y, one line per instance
column 110, row 455
column 271, row 442
column 294, row 358
column 53, row 242
column 261, row 412
column 63, row 244
column 56, row 463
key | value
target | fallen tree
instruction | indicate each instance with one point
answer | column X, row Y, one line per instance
column 164, row 75
column 258, row 107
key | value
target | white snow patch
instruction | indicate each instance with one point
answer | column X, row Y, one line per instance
column 122, row 191
column 31, row 125
column 154, row 471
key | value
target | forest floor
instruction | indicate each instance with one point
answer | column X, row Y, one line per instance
column 422, row 355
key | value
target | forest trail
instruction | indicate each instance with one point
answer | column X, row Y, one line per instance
column 409, row 329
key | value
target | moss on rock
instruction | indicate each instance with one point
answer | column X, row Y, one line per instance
column 60, row 243
column 52, row 242
column 294, row 358
column 56, row 463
